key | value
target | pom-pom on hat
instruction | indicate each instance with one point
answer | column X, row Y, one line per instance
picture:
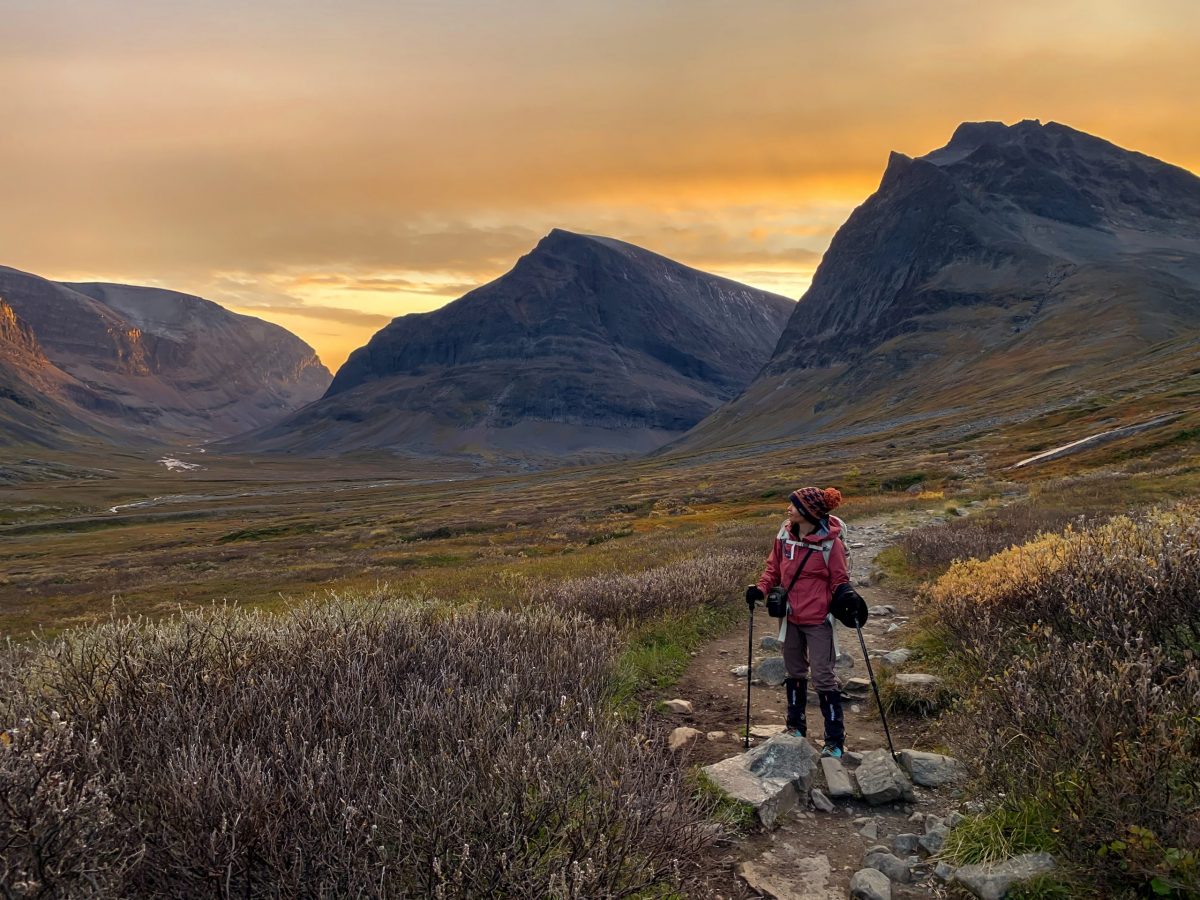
column 816, row 503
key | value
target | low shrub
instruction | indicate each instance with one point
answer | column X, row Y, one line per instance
column 1085, row 644
column 626, row 599
column 345, row 748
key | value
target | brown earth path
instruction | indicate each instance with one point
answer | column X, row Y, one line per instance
column 808, row 840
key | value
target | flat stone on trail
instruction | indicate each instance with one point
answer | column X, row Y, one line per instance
column 785, row 875
column 682, row 736
column 766, row 731
column 679, row 706
column 771, row 671
column 931, row 769
column 870, row 884
column 855, row 685
column 897, row 657
column 880, row 780
column 836, row 779
column 991, row 881
column 770, row 777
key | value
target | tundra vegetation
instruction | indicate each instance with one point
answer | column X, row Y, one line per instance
column 1073, row 655
column 348, row 743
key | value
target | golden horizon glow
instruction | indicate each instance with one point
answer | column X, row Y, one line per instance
column 330, row 169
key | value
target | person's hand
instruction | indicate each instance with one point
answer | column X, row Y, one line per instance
column 848, row 607
column 753, row 595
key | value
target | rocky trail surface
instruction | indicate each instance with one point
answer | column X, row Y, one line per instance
column 867, row 826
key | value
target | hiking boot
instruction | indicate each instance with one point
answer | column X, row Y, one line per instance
column 832, row 750
column 796, row 732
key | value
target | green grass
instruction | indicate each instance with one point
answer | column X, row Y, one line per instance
column 1016, row 826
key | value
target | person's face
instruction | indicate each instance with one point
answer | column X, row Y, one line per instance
column 794, row 516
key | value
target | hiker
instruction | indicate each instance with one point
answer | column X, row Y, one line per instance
column 808, row 565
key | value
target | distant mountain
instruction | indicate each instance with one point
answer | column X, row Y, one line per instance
column 588, row 347
column 137, row 363
column 1017, row 266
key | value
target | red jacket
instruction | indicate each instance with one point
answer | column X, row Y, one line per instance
column 810, row 596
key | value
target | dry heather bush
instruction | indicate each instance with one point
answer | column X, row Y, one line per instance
column 362, row 748
column 629, row 598
column 1085, row 648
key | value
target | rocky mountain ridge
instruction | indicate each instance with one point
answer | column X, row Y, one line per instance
column 1027, row 261
column 588, row 347
column 144, row 364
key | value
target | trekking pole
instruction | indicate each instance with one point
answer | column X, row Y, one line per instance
column 749, row 665
column 875, row 688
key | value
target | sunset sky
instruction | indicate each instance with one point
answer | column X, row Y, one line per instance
column 328, row 166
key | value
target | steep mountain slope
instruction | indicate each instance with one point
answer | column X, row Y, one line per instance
column 152, row 363
column 588, row 346
column 1016, row 267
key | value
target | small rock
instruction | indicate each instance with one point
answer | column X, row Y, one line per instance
column 861, row 820
column 716, row 736
column 870, row 884
column 932, row 822
column 851, row 757
column 931, row 769
column 905, row 844
column 845, row 661
column 770, row 642
column 897, row 657
column 739, row 671
column 891, row 628
column 917, row 819
column 855, row 708
column 855, row 685
column 821, row 802
column 682, row 736
column 991, row 881
column 894, row 868
column 915, row 489
column 955, row 819
column 771, row 671
column 679, row 706
column 882, row 781
column 879, row 611
column 870, row 831
column 944, row 872
column 857, row 545
column 864, row 581
column 933, row 839
column 836, row 779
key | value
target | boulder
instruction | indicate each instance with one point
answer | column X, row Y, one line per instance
column 770, row 777
column 771, row 671
column 870, row 884
column 837, row 780
column 880, row 780
column 682, row 736
column 992, row 881
column 683, row 707
column 931, row 769
column 894, row 868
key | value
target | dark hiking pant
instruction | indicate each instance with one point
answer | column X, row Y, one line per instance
column 808, row 647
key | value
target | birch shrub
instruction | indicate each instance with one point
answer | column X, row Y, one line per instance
column 1084, row 688
column 346, row 748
